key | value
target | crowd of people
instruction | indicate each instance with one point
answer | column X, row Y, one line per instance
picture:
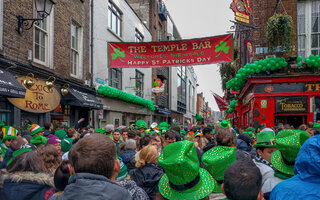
column 159, row 162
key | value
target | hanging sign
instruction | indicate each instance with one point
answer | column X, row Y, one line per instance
column 38, row 99
column 242, row 10
column 291, row 104
column 250, row 48
column 209, row 50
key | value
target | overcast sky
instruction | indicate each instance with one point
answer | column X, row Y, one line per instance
column 202, row 18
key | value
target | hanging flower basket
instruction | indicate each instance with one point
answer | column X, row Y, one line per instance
column 280, row 32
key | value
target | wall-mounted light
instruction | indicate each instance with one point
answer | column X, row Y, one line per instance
column 28, row 83
column 50, row 82
column 65, row 89
column 43, row 8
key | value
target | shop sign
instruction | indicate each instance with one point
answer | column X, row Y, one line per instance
column 38, row 99
column 312, row 87
column 287, row 87
column 242, row 10
column 291, row 104
column 250, row 48
column 216, row 49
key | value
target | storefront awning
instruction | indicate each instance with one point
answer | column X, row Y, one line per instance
column 78, row 98
column 9, row 86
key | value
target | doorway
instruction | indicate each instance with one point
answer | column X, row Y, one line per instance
column 292, row 120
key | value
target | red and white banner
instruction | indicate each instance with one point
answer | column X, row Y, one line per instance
column 208, row 50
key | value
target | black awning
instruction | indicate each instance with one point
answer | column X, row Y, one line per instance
column 9, row 86
column 83, row 99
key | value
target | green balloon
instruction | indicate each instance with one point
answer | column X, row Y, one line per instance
column 299, row 58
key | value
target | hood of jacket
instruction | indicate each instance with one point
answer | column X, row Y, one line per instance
column 148, row 175
column 27, row 185
column 307, row 164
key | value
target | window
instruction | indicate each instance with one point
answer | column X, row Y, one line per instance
column 115, row 78
column 138, row 36
column 114, row 19
column 308, row 14
column 139, row 84
column 75, row 50
column 41, row 41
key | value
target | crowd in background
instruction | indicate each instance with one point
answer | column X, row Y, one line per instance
column 210, row 161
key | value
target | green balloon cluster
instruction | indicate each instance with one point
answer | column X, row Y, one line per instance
column 269, row 64
column 313, row 61
column 115, row 93
column 198, row 117
column 232, row 106
column 299, row 61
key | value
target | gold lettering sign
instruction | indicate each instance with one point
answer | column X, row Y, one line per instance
column 38, row 99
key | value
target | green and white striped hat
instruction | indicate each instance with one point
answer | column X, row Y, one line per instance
column 9, row 133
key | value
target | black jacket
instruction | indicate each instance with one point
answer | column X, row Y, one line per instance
column 92, row 187
column 147, row 177
column 27, row 186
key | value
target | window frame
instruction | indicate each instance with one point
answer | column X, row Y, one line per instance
column 79, row 51
column 112, row 79
column 138, row 37
column 113, row 10
column 139, row 79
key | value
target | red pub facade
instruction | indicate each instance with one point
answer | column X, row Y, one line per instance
column 279, row 98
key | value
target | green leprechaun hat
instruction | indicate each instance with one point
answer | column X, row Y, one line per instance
column 61, row 134
column 34, row 129
column 224, row 124
column 38, row 139
column 9, row 133
column 217, row 160
column 288, row 143
column 66, row 144
column 249, row 128
column 141, row 124
column 265, row 139
column 183, row 178
column 164, row 127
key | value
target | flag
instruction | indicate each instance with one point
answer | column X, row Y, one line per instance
column 222, row 104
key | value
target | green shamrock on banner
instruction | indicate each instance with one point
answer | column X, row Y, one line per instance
column 118, row 53
column 222, row 48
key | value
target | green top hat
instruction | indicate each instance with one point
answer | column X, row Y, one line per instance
column 316, row 125
column 224, row 124
column 288, row 143
column 265, row 139
column 34, row 129
column 61, row 134
column 217, row 160
column 141, row 124
column 183, row 178
column 38, row 139
column 66, row 144
column 9, row 133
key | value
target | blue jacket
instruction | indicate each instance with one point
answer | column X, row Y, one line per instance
column 306, row 182
column 127, row 155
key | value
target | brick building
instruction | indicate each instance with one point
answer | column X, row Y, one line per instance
column 57, row 46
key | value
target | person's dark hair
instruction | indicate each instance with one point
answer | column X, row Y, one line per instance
column 131, row 134
column 242, row 181
column 170, row 134
column 260, row 148
column 145, row 141
column 225, row 137
column 71, row 132
column 26, row 162
column 47, row 125
column 94, row 154
column 176, row 128
column 125, row 130
column 206, row 130
column 61, row 176
column 17, row 143
column 316, row 131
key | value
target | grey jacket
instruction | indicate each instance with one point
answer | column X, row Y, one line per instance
column 92, row 186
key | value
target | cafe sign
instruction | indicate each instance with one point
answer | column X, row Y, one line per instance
column 291, row 104
column 38, row 99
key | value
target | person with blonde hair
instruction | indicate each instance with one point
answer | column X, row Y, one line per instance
column 148, row 172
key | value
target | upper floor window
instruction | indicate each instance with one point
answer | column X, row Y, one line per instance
column 139, row 83
column 115, row 78
column 138, row 36
column 41, row 43
column 114, row 18
column 75, row 52
column 308, row 25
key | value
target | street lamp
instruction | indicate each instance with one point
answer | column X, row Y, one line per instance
column 43, row 8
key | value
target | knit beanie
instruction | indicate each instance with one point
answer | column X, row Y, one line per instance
column 61, row 134
column 66, row 144
column 53, row 139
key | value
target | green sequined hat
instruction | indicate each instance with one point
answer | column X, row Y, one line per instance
column 288, row 143
column 141, row 124
column 183, row 178
column 217, row 160
column 316, row 125
column 224, row 124
column 265, row 139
